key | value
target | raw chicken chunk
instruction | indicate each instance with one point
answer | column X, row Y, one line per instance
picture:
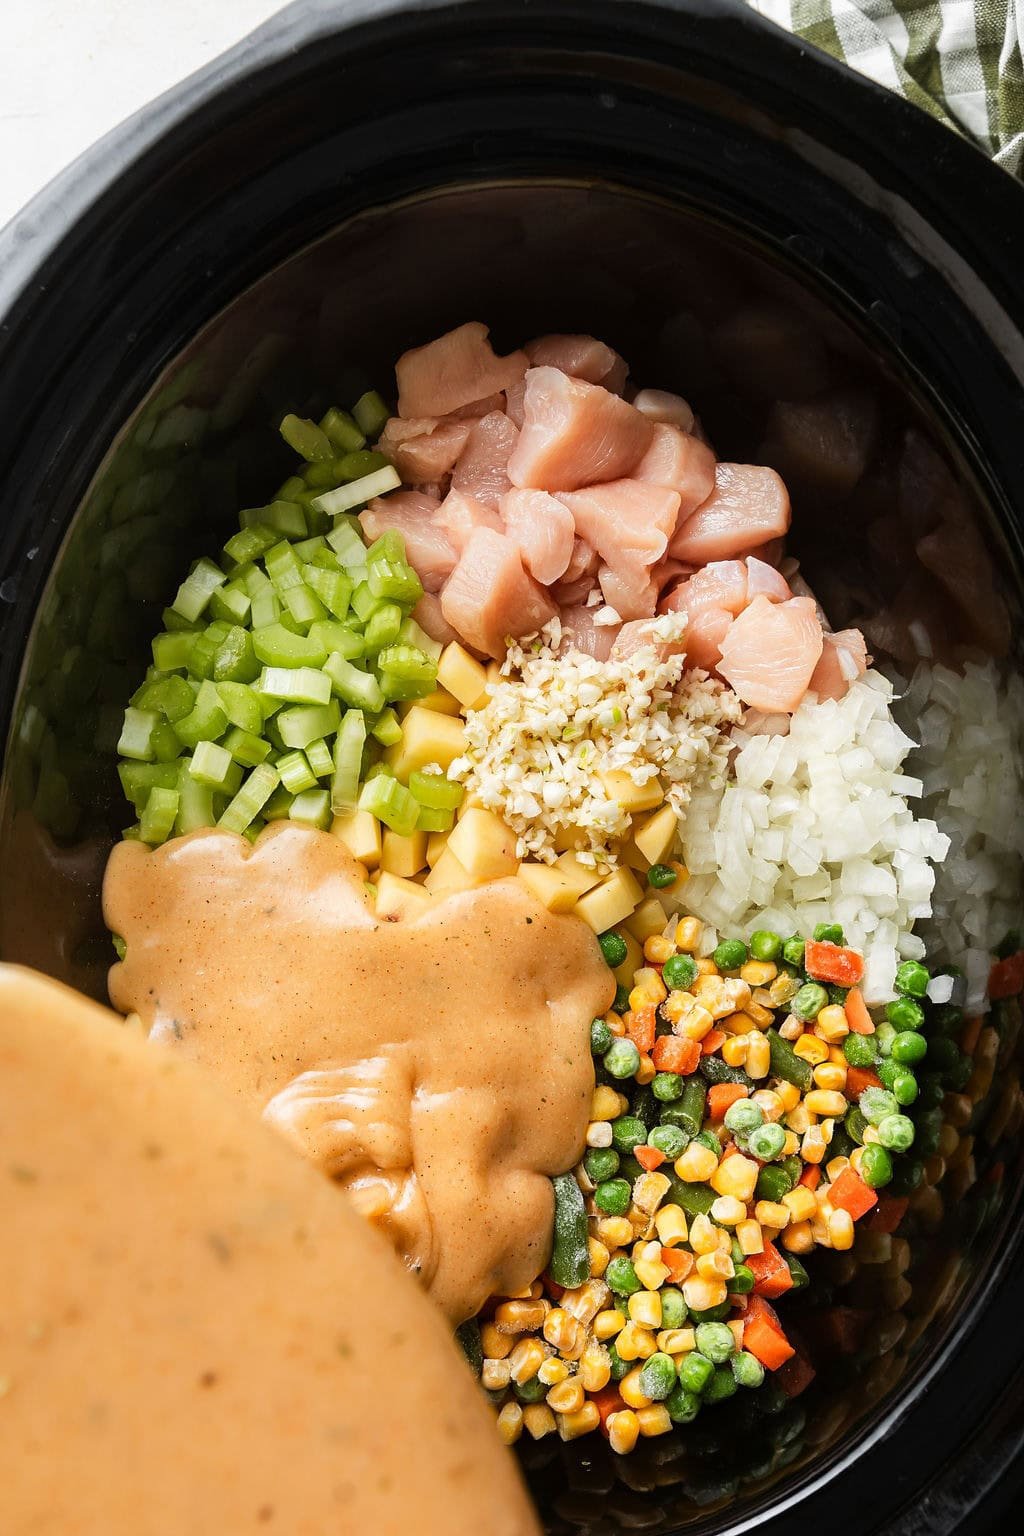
column 575, row 434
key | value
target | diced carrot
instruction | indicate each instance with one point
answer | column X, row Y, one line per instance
column 608, row 1401
column 722, row 1095
column 771, row 1272
column 554, row 1290
column 641, row 1027
column 1006, row 977
column 763, row 1335
column 832, row 963
column 857, row 1015
column 712, row 1042
column 890, row 1212
column 649, row 1157
column 859, row 1078
column 678, row 1261
column 970, row 1034
column 672, row 1053
column 850, row 1193
column 796, row 1375
column 811, row 1176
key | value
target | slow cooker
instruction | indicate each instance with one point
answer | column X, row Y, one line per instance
column 748, row 222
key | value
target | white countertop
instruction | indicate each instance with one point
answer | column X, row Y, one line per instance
column 72, row 69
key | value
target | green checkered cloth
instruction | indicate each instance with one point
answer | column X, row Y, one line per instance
column 961, row 60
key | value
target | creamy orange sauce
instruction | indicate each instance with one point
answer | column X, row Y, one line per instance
column 196, row 1334
column 438, row 1068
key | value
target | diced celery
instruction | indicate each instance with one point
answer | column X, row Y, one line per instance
column 195, row 803
column 306, row 722
column 310, row 547
column 397, row 689
column 278, row 806
column 204, row 651
column 333, row 588
column 325, row 559
column 197, row 589
column 358, row 492
column 396, row 581
column 213, row 765
column 232, row 603
column 303, row 604
column 207, row 720
column 157, row 820
column 389, row 546
column 344, row 539
column 337, row 637
column 242, row 706
column 354, row 466
column 235, row 661
column 391, row 803
column 312, row 808
column 295, row 772
column 434, row 821
column 171, row 652
column 323, row 476
column 255, row 580
column 175, row 623
column 348, row 759
column 165, row 744
column 436, row 791
column 371, row 413
column 411, row 634
column 342, row 430
column 250, row 799
column 353, row 686
column 249, row 543
column 300, row 685
column 266, row 607
column 246, row 748
column 318, row 754
column 306, row 438
column 364, row 604
column 283, row 567
column 137, row 779
column 172, row 696
column 136, row 738
column 382, row 627
column 387, row 729
column 292, row 489
column 407, row 664
column 276, row 646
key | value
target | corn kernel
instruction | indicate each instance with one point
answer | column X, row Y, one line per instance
column 651, row 1272
column 831, row 1024
column 835, row 1166
column 728, row 1211
column 495, row 1374
column 692, row 1020
column 599, row 1256
column 825, row 1101
column 799, row 1120
column 735, row 1023
column 595, row 1368
column 696, row 1164
column 608, row 1324
column 565, row 1396
column 750, row 1237
column 810, row 1048
column 495, row 1345
column 676, row 1341
column 829, row 1076
column 670, row 1225
column 791, row 1027
column 737, row 1175
column 604, row 1105
column 703, row 1236
column 650, row 1190
column 646, row 1072
column 758, row 973
column 623, row 1431
column 840, row 1230
column 635, row 1342
column 791, row 1145
column 769, row 1103
column 615, row 1231
column 520, row 1316
column 648, row 989
column 813, row 1145
column 783, row 989
column 734, row 1051
column 565, row 1333
column 758, row 1056
column 758, row 1014
column 689, row 932
column 645, row 1309
column 771, row 1213
column 510, row 1423
column 700, row 1294
column 585, row 1301
column 820, row 1233
column 716, row 1266
column 599, row 1133
column 526, row 1360
column 629, row 1389
column 797, row 1237
column 800, row 1203
column 572, row 1425
column 538, row 1421
column 658, row 949
column 654, row 1420
column 553, row 1371
column 789, row 1093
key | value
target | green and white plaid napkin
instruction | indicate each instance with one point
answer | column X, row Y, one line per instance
column 961, row 60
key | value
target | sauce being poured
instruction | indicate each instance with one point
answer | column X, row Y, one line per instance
column 197, row 1334
column 439, row 1068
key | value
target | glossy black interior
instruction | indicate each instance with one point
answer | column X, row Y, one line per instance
column 746, row 226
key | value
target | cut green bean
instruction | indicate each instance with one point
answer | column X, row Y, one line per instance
column 785, row 1063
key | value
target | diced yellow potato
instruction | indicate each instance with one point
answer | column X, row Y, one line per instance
column 463, row 676
column 437, row 842
column 625, row 972
column 549, row 885
column 632, row 797
column 630, row 854
column 493, row 672
column 470, row 802
column 611, row 902
column 484, row 845
column 428, row 736
column 449, row 875
column 569, row 839
column 360, row 832
column 582, row 877
column 401, row 898
column 440, row 700
column 404, row 856
column 649, row 918
column 655, row 836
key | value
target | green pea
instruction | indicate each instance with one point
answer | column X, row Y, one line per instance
column 742, row 1281
column 628, row 1132
column 730, row 955
column 601, row 1037
column 621, row 1003
column 912, row 979
column 875, row 1166
column 904, row 1013
column 896, row 1133
column 620, row 1367
column 809, row 1001
column 613, row 1197
column 532, row 1391
column 747, row 1369
column 658, row 1377
column 667, row 1086
column 793, row 951
column 715, row 1341
column 765, row 945
column 669, row 1139
column 855, row 1124
column 673, row 1307
column 767, row 1142
column 909, row 1047
column 860, row 1050
column 621, row 1277
column 613, row 947
column 710, row 1140
column 712, row 1314
column 721, row 1385
column 683, row 1406
column 744, row 1116
column 904, row 1087
column 875, row 1104
column 660, row 875
column 773, row 1183
column 885, row 1034
column 601, row 1164
column 622, row 1059
column 695, row 1371
column 828, row 933
column 679, row 972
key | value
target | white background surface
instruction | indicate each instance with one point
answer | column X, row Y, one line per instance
column 71, row 69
